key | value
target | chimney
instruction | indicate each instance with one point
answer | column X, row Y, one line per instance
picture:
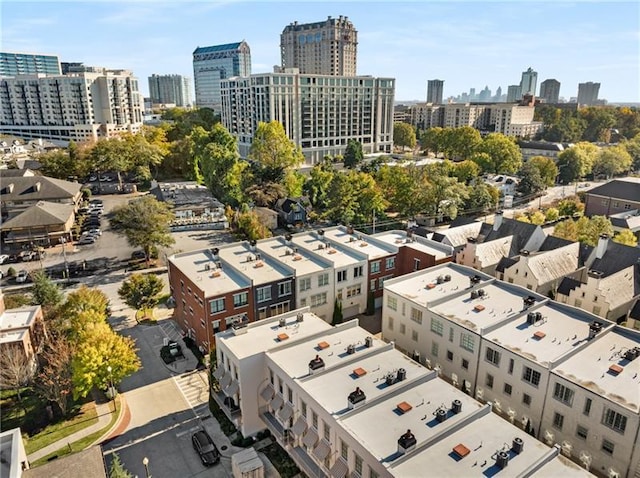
column 601, row 248
column 497, row 220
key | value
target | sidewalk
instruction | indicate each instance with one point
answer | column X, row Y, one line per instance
column 104, row 411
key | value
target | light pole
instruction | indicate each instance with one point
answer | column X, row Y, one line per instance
column 145, row 462
column 64, row 254
column 111, row 390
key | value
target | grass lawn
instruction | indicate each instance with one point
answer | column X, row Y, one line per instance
column 145, row 316
column 82, row 443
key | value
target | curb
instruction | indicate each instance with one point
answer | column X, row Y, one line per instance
column 123, row 419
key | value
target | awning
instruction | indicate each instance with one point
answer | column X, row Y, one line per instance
column 285, row 412
column 276, row 402
column 322, row 450
column 267, row 392
column 225, row 381
column 232, row 389
column 339, row 469
column 310, row 438
column 299, row 426
column 218, row 373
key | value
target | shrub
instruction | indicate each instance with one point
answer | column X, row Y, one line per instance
column 11, row 272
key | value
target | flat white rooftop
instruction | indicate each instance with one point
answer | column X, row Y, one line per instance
column 261, row 269
column 563, row 467
column 331, row 347
column 561, row 329
column 591, row 367
column 499, row 302
column 302, row 262
column 338, row 257
column 424, row 398
column 331, row 389
column 359, row 243
column 481, row 438
column 422, row 286
column 12, row 336
column 399, row 239
column 18, row 318
column 262, row 336
column 199, row 267
column 458, row 236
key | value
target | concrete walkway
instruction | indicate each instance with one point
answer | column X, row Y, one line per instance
column 104, row 411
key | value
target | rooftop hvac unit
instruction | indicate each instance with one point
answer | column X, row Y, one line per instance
column 517, row 445
column 441, row 415
column 447, row 278
column 282, row 322
column 439, row 280
column 456, row 406
column 502, row 459
column 368, row 342
column 299, row 317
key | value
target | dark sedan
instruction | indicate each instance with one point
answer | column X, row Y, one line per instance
column 205, row 447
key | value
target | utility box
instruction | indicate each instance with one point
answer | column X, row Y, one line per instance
column 247, row 464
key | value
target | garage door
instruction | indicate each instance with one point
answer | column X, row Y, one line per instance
column 350, row 311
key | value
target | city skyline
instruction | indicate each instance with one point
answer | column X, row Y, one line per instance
column 461, row 43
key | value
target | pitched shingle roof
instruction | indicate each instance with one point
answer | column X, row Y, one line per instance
column 567, row 285
column 553, row 264
column 26, row 188
column 616, row 258
column 39, row 215
column 627, row 189
column 521, row 231
column 551, row 242
column 506, row 262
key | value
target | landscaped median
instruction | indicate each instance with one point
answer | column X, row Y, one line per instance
column 84, row 442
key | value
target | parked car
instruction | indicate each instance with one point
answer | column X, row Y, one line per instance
column 204, row 446
column 96, row 201
column 93, row 178
column 27, row 256
column 95, row 231
column 137, row 255
column 86, row 240
column 4, row 258
column 22, row 276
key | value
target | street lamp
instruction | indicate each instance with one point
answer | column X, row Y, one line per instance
column 111, row 390
column 64, row 254
column 145, row 462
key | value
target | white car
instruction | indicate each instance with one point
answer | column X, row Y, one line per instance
column 3, row 257
column 95, row 232
column 22, row 277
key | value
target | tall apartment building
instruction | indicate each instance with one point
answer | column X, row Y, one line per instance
column 321, row 48
column 12, row 64
column 528, row 82
column 170, row 89
column 79, row 107
column 567, row 376
column 588, row 93
column 212, row 64
column 320, row 114
column 343, row 403
column 475, row 115
column 514, row 120
column 425, row 115
column 514, row 93
column 550, row 90
column 435, row 90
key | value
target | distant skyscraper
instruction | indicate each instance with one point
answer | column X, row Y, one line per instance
column 12, row 64
column 588, row 93
column 498, row 96
column 434, row 91
column 485, row 95
column 172, row 89
column 550, row 90
column 529, row 82
column 514, row 93
column 211, row 64
column 321, row 48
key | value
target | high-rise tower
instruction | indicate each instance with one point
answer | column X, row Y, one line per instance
column 528, row 82
column 434, row 91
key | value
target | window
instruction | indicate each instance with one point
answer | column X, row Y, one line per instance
column 264, row 294
column 373, row 474
column 357, row 271
column 578, row 303
column 493, row 356
column 467, row 341
column 526, row 399
column 342, row 276
column 416, row 264
column 381, row 281
column 596, row 309
column 489, row 381
column 582, row 432
column 508, row 389
column 358, row 464
column 416, row 315
column 284, row 288
column 289, row 395
column 327, row 432
column 614, row 420
column 563, row 394
column 372, row 285
column 303, row 409
column 202, row 324
column 305, row 284
column 450, row 334
column 531, row 376
column 449, row 355
column 558, row 420
column 511, row 363
column 434, row 349
column 318, row 299
column 375, row 267
column 414, row 335
column 403, row 329
column 344, row 450
column 436, row 326
column 608, row 446
column 241, row 299
column 314, row 419
column 465, row 364
column 217, row 305
column 587, row 407
column 392, row 303
column 390, row 263
column 323, row 279
column 354, row 290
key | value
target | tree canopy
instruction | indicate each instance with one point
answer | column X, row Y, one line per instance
column 612, row 161
column 404, row 136
column 547, row 169
column 273, row 149
column 353, row 154
column 141, row 291
column 504, row 155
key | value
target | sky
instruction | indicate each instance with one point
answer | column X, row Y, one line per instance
column 466, row 44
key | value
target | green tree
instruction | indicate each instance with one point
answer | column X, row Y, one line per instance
column 571, row 206
column 590, row 230
column 293, row 183
column 433, row 140
column 117, row 469
column 273, row 149
column 58, row 164
column 626, row 237
column 354, row 197
column 612, row 161
column 141, row 291
column 318, row 185
column 145, row 223
column 45, row 292
column 337, row 313
column 633, row 148
column 85, row 299
column 404, row 136
column 353, row 154
column 547, row 168
column 465, row 171
column 100, row 347
column 551, row 214
column 481, row 198
column 576, row 162
column 461, row 143
column 248, row 223
column 599, row 123
column 566, row 230
column 504, row 153
column 531, row 183
column 537, row 218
